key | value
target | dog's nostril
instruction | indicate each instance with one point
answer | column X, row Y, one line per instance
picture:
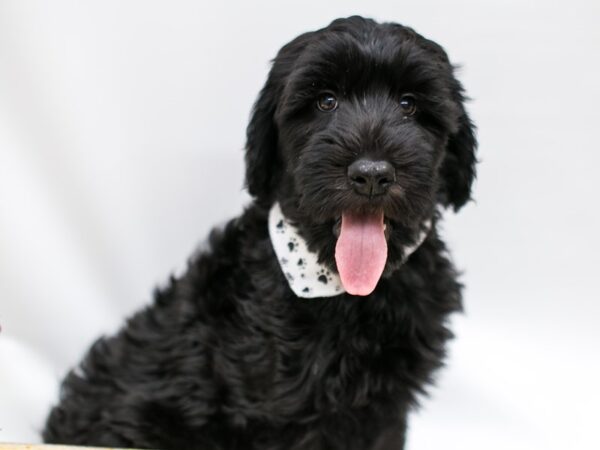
column 359, row 180
column 371, row 177
column 384, row 181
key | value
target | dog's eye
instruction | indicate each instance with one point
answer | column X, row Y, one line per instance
column 327, row 102
column 408, row 104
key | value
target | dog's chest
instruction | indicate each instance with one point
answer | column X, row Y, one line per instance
column 339, row 368
column 334, row 381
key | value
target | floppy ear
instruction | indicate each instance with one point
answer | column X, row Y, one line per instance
column 263, row 161
column 458, row 166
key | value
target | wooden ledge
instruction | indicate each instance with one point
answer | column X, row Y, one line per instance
column 48, row 447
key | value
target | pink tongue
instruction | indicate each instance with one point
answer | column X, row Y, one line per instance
column 361, row 252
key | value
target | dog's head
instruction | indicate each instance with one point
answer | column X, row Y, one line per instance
column 359, row 132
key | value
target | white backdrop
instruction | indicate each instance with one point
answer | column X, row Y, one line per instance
column 121, row 133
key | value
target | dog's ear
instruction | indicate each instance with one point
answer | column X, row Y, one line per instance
column 458, row 166
column 457, row 169
column 263, row 161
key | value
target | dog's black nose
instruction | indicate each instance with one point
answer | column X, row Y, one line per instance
column 371, row 177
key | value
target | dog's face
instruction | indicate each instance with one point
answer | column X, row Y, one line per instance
column 359, row 132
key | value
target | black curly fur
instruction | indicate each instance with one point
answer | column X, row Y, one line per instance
column 227, row 357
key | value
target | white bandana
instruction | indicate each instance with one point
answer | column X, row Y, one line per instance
column 306, row 276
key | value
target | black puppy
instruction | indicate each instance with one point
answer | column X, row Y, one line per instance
column 357, row 139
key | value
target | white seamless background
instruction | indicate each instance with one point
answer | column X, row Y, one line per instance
column 122, row 126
